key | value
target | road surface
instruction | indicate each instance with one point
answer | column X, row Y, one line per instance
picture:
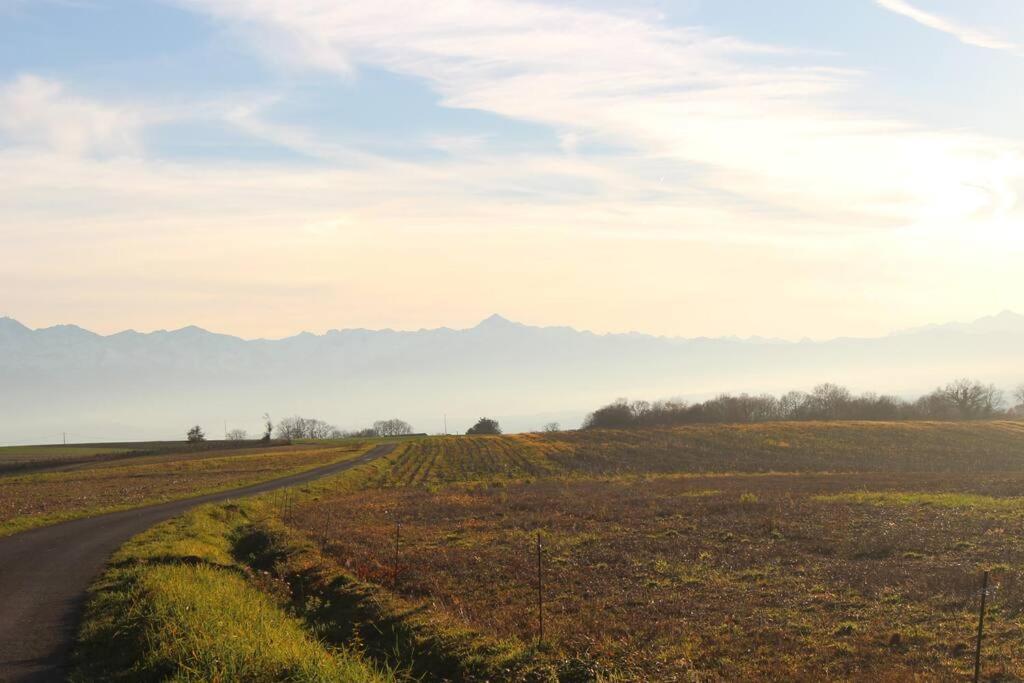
column 45, row 572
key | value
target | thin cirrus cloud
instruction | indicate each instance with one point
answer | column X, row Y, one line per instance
column 759, row 172
column 773, row 135
column 965, row 34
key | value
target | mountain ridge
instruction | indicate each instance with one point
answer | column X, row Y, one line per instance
column 1006, row 320
column 146, row 384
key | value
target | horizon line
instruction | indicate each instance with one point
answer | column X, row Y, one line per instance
column 496, row 319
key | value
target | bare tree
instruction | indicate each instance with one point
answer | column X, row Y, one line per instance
column 790, row 405
column 196, row 434
column 1018, row 397
column 963, row 399
column 972, row 399
column 552, row 427
column 828, row 400
column 289, row 428
column 296, row 427
column 392, row 427
column 237, row 435
column 318, row 429
column 268, row 427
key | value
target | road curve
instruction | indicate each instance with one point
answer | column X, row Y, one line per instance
column 45, row 573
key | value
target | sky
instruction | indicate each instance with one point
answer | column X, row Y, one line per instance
column 793, row 168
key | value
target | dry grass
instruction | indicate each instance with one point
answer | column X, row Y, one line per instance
column 781, row 447
column 44, row 498
column 825, row 571
column 24, row 458
column 732, row 577
column 14, row 459
column 800, row 551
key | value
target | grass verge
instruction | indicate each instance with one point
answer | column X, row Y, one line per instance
column 176, row 605
column 398, row 634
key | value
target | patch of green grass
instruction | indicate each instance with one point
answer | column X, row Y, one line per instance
column 176, row 606
column 942, row 500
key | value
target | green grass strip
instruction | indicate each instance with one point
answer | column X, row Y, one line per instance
column 174, row 606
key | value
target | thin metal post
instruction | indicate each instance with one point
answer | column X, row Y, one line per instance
column 540, row 595
column 398, row 541
column 981, row 627
column 330, row 526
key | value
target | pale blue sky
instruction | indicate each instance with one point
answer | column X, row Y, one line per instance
column 786, row 168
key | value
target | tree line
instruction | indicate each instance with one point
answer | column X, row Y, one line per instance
column 297, row 427
column 962, row 399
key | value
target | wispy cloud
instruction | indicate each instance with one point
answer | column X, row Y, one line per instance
column 668, row 96
column 40, row 111
column 670, row 150
column 705, row 142
column 965, row 34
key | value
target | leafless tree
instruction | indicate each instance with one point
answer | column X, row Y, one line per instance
column 552, row 427
column 1018, row 394
column 392, row 427
column 960, row 400
column 827, row 401
column 305, row 428
column 790, row 405
column 237, row 435
column 972, row 399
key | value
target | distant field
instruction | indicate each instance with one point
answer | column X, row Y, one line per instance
column 27, row 458
column 24, row 454
column 766, row 447
column 84, row 489
column 783, row 551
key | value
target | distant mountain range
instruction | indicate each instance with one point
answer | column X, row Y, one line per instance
column 154, row 385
